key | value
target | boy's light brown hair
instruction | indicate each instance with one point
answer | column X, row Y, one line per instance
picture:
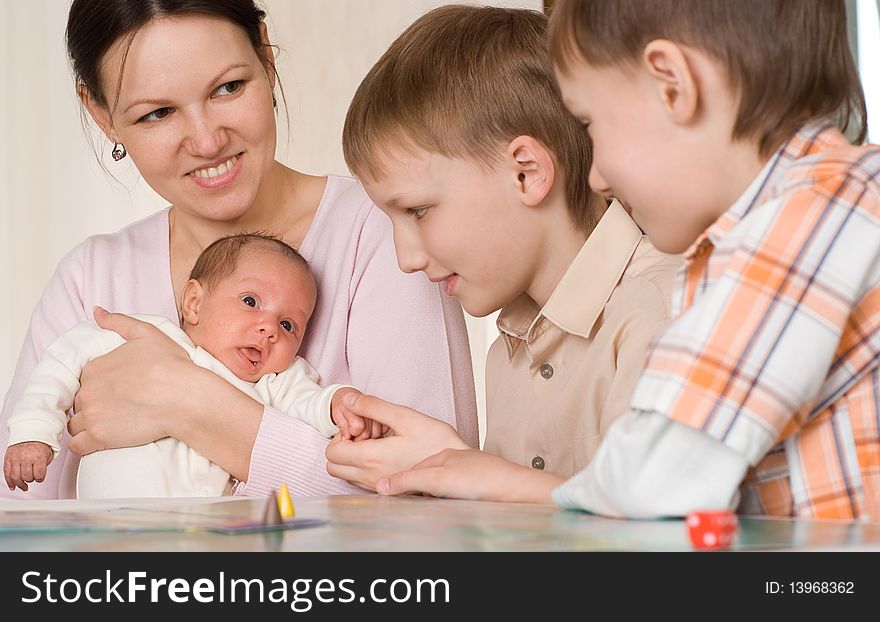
column 463, row 82
column 788, row 61
column 220, row 258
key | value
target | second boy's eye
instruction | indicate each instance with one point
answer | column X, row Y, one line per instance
column 418, row 212
column 249, row 301
column 287, row 325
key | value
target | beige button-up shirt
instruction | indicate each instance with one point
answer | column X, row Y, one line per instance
column 557, row 377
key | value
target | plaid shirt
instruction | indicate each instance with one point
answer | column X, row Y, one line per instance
column 775, row 348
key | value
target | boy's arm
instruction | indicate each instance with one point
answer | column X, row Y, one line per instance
column 296, row 392
column 649, row 466
column 41, row 411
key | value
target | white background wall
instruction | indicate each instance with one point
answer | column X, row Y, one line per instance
column 53, row 191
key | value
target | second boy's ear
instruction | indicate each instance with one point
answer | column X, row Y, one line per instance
column 191, row 302
column 533, row 167
column 674, row 80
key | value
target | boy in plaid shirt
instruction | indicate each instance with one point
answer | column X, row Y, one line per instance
column 714, row 121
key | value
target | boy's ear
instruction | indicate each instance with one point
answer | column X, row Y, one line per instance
column 267, row 53
column 677, row 87
column 99, row 113
column 191, row 302
column 534, row 169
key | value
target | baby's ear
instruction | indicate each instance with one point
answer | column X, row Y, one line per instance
column 191, row 302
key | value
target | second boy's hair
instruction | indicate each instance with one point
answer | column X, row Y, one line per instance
column 463, row 82
column 788, row 61
column 220, row 258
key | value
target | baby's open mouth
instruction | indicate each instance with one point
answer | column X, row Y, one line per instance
column 253, row 355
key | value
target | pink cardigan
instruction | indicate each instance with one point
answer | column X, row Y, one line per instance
column 389, row 334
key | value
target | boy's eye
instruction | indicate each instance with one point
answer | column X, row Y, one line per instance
column 249, row 301
column 418, row 212
column 229, row 88
column 287, row 325
column 156, row 115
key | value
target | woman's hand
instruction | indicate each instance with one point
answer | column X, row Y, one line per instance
column 415, row 436
column 472, row 474
column 127, row 394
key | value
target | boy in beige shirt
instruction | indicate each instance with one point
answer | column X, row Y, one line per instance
column 483, row 174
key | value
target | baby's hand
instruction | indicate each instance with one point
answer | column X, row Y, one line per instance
column 26, row 462
column 352, row 426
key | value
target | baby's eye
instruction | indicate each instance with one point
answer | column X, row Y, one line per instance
column 287, row 325
column 249, row 301
column 418, row 212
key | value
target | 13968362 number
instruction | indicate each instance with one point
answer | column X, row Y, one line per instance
column 822, row 587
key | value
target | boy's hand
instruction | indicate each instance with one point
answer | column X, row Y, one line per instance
column 352, row 426
column 26, row 462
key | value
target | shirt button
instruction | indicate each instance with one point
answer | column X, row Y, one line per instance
column 546, row 371
column 538, row 463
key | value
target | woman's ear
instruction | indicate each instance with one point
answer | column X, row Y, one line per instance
column 191, row 302
column 534, row 169
column 674, row 80
column 98, row 112
column 267, row 54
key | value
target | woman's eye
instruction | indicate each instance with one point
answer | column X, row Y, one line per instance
column 418, row 212
column 286, row 325
column 230, row 88
column 249, row 301
column 156, row 115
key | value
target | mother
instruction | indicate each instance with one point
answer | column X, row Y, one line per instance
column 186, row 89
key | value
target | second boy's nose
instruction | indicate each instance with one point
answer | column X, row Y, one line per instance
column 598, row 183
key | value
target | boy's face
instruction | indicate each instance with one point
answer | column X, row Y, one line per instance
column 460, row 224
column 253, row 321
column 655, row 166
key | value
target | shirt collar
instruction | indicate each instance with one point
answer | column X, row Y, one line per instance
column 584, row 289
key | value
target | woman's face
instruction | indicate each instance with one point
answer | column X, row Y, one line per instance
column 194, row 113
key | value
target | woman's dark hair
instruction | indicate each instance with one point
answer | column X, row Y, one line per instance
column 93, row 26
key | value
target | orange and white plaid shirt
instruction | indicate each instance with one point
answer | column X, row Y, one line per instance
column 776, row 344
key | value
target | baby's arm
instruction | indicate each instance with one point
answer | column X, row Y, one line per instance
column 297, row 393
column 26, row 462
column 41, row 412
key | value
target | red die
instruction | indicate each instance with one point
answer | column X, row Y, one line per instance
column 711, row 529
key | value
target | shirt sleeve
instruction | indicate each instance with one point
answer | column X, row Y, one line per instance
column 41, row 411
column 289, row 451
column 649, row 466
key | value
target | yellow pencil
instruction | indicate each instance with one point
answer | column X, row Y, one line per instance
column 285, row 504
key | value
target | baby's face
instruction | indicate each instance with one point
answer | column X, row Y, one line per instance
column 253, row 321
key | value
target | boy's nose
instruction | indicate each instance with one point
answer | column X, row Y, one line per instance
column 410, row 257
column 598, row 184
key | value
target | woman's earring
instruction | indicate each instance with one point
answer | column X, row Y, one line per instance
column 274, row 101
column 118, row 152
